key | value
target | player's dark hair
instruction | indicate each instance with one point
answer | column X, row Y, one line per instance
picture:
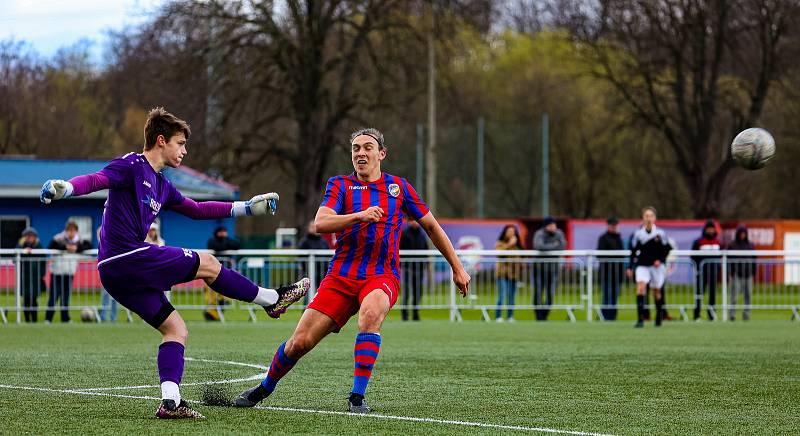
column 161, row 122
column 650, row 208
column 369, row 131
column 71, row 225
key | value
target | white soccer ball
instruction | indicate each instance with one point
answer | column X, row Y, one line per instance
column 753, row 148
column 87, row 315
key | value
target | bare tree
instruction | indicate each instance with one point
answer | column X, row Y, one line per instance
column 53, row 107
column 19, row 72
column 287, row 77
column 696, row 71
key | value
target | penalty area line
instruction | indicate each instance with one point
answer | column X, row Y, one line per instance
column 228, row 362
column 79, row 392
column 194, row 359
column 215, row 382
column 335, row 413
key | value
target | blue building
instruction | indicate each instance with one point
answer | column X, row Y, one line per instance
column 21, row 181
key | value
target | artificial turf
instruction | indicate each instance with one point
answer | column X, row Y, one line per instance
column 683, row 378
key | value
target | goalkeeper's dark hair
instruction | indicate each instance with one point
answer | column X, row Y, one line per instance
column 651, row 209
column 161, row 122
column 369, row 131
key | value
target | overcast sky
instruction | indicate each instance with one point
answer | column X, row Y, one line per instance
column 50, row 24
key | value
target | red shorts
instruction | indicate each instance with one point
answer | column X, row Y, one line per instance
column 340, row 298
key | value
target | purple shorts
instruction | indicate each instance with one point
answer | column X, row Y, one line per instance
column 139, row 279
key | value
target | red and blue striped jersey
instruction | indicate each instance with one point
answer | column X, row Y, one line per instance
column 367, row 249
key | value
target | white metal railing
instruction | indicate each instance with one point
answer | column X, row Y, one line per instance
column 585, row 284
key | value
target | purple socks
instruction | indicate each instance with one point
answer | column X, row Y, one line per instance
column 234, row 285
column 170, row 362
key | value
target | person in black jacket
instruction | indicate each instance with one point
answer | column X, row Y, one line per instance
column 63, row 268
column 412, row 238
column 546, row 270
column 32, row 271
column 707, row 269
column 611, row 269
column 742, row 270
column 218, row 242
column 221, row 241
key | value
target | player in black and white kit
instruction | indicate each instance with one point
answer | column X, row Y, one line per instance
column 649, row 250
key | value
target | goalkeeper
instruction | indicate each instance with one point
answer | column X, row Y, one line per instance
column 136, row 273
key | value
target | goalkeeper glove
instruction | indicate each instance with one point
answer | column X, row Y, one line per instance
column 258, row 205
column 55, row 190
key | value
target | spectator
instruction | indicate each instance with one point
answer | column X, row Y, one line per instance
column 507, row 271
column 108, row 305
column 707, row 269
column 742, row 271
column 548, row 238
column 412, row 238
column 32, row 271
column 154, row 236
column 221, row 241
column 611, row 269
column 218, row 242
column 63, row 269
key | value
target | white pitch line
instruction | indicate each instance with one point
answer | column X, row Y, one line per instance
column 228, row 362
column 78, row 392
column 217, row 382
column 95, row 392
column 433, row 421
column 331, row 412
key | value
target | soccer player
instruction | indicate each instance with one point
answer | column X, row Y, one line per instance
column 137, row 273
column 649, row 250
column 365, row 209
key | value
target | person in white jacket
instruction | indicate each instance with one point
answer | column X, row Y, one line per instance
column 63, row 269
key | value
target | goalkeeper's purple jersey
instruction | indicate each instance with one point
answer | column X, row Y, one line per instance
column 136, row 194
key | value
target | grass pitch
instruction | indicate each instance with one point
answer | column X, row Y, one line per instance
column 685, row 378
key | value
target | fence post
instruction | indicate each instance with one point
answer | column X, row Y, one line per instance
column 18, row 285
column 312, row 275
column 724, row 287
column 589, row 283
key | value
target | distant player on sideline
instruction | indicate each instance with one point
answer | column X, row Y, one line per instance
column 365, row 209
column 136, row 273
column 649, row 250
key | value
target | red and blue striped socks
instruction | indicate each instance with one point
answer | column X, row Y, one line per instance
column 280, row 366
column 366, row 352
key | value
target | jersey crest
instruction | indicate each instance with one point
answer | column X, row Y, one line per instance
column 394, row 189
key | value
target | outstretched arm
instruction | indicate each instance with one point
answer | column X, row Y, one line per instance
column 207, row 210
column 55, row 189
column 204, row 210
column 86, row 184
column 117, row 174
column 442, row 243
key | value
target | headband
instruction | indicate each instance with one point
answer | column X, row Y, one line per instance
column 380, row 143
